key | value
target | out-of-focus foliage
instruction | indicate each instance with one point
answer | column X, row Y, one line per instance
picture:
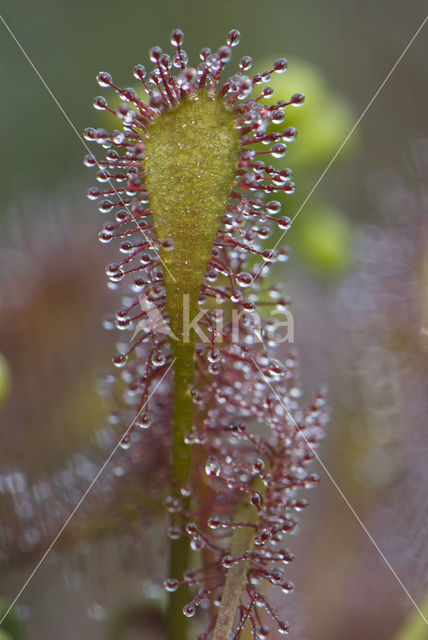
column 415, row 627
column 5, row 380
column 12, row 628
column 321, row 236
column 322, row 123
column 138, row 622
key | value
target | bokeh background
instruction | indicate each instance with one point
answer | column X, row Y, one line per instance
column 358, row 278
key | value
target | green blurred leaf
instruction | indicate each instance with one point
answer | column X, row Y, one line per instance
column 5, row 380
column 323, row 239
column 415, row 627
column 11, row 627
column 322, row 122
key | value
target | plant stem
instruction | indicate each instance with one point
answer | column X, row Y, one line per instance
column 242, row 541
column 183, row 412
column 177, row 624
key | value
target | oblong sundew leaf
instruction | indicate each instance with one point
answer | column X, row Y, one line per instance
column 192, row 154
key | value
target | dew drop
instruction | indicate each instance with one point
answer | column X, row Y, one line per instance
column 259, row 466
column 273, row 207
column 90, row 160
column 105, row 206
column 285, row 556
column 214, row 355
column 247, row 156
column 180, row 61
column 267, row 92
column 214, row 368
column 224, row 54
column 128, row 93
column 301, row 504
column 155, row 53
column 105, row 236
column 100, row 103
column 108, row 323
column 117, row 277
column 126, row 247
column 289, row 188
column 287, row 587
column 197, row 544
column 276, row 367
column 174, row 533
column 158, row 359
column 256, row 499
column 189, row 610
column 284, row 223
column 103, row 176
column 278, row 117
column 177, row 37
column 269, row 255
column 289, row 134
column 112, row 155
column 104, row 79
column 283, row 627
column 283, row 303
column 186, row 490
column 249, row 307
column 281, row 65
column 168, row 244
column 121, row 215
column 227, row 562
column 120, row 360
column 233, row 38
column 112, row 268
column 244, row 279
column 214, row 522
column 93, row 193
column 191, row 438
column 139, row 72
column 279, row 150
column 276, row 576
column 113, row 417
column 212, row 466
column 125, row 443
column 171, row 584
column 246, row 63
column 172, row 504
column 297, row 100
column 90, row 134
column 143, row 421
column 191, row 528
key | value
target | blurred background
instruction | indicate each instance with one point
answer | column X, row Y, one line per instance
column 358, row 279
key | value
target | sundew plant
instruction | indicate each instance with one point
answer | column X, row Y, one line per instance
column 189, row 192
